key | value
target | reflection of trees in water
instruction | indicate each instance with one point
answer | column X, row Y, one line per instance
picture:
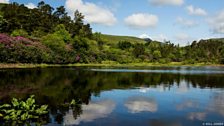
column 57, row 86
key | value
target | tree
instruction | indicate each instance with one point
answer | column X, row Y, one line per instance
column 3, row 22
column 139, row 49
column 80, row 44
column 60, row 12
column 124, row 45
column 78, row 24
column 62, row 32
column 54, row 42
column 157, row 54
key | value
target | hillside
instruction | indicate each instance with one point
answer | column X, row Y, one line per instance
column 217, row 39
column 114, row 39
column 1, row 5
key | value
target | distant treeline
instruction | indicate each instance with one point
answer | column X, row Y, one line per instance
column 49, row 35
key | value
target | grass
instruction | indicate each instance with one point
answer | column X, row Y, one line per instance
column 113, row 64
column 113, row 39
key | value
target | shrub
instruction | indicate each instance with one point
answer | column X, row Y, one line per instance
column 23, row 40
column 19, row 32
column 5, row 39
column 38, row 33
column 139, row 49
column 124, row 45
column 80, row 44
column 54, row 42
column 63, row 33
column 157, row 54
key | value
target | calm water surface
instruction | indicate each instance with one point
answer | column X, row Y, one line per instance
column 151, row 96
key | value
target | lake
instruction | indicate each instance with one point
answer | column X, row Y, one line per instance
column 144, row 96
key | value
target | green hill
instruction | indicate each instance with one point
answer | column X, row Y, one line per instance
column 219, row 39
column 114, row 39
column 1, row 5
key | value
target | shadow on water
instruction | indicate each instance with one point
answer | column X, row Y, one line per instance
column 58, row 86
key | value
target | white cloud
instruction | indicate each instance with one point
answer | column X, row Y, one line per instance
column 93, row 13
column 160, row 37
column 185, row 22
column 4, row 1
column 90, row 112
column 217, row 23
column 141, row 104
column 141, row 20
column 142, row 36
column 196, row 11
column 167, row 2
column 31, row 5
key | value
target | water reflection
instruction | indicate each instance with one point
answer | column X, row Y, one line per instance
column 197, row 116
column 142, row 98
column 90, row 112
column 216, row 104
column 138, row 104
column 187, row 103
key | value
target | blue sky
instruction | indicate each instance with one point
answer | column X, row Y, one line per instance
column 180, row 21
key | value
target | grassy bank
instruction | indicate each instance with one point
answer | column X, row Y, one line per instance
column 20, row 65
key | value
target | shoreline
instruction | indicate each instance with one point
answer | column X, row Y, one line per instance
column 172, row 64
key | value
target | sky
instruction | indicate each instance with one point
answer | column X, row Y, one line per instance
column 178, row 21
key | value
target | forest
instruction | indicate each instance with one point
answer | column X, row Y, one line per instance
column 49, row 35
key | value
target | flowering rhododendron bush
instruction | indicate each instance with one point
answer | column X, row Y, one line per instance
column 24, row 50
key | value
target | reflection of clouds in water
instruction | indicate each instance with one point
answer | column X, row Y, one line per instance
column 192, row 115
column 159, row 88
column 183, row 87
column 187, row 104
column 144, row 89
column 90, row 112
column 140, row 104
column 217, row 103
column 197, row 116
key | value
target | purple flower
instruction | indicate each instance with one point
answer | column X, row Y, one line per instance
column 5, row 39
column 22, row 39
column 77, row 58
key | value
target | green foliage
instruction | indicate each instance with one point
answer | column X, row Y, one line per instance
column 42, row 18
column 54, row 42
column 19, row 32
column 124, row 45
column 38, row 33
column 80, row 44
column 75, row 103
column 2, row 22
column 157, row 54
column 63, row 33
column 20, row 112
column 139, row 49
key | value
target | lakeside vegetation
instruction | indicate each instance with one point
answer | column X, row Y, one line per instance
column 47, row 35
column 113, row 64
